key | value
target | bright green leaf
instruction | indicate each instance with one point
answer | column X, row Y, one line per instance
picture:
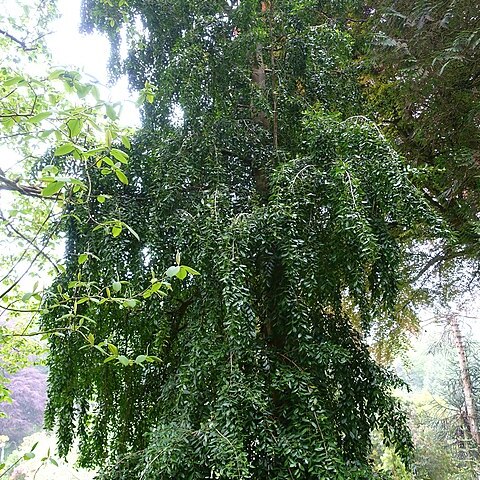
column 190, row 270
column 39, row 117
column 182, row 273
column 64, row 149
column 122, row 157
column 52, row 188
column 121, row 176
column 75, row 126
column 140, row 359
column 172, row 271
column 126, row 142
column 116, row 230
column 123, row 360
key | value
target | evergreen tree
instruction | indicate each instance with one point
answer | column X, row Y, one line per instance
column 423, row 87
column 255, row 164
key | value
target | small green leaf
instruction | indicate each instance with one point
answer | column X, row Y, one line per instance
column 153, row 358
column 126, row 142
column 182, row 273
column 74, row 126
column 29, row 456
column 82, row 258
column 117, row 286
column 56, row 74
column 116, row 230
column 121, row 176
column 27, row 297
column 190, row 270
column 50, row 169
column 92, row 152
column 95, row 92
column 113, row 349
column 132, row 231
column 172, row 271
column 122, row 157
column 39, row 117
column 53, row 461
column 64, row 149
column 130, row 302
column 123, row 360
column 110, row 111
column 108, row 137
column 140, row 359
column 13, row 81
column 101, row 199
column 108, row 161
column 91, row 338
column 52, row 188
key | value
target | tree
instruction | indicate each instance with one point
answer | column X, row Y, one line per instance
column 444, row 401
column 253, row 165
column 25, row 413
column 422, row 84
column 471, row 415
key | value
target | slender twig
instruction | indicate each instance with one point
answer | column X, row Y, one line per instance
column 16, row 40
column 30, row 242
column 18, row 280
column 20, row 258
column 42, row 332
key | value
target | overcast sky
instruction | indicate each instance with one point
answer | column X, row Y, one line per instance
column 87, row 53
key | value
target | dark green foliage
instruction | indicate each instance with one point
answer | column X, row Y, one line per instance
column 262, row 373
column 423, row 85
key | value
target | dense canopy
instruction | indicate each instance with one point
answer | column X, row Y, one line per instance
column 255, row 164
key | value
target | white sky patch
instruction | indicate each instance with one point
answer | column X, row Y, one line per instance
column 89, row 54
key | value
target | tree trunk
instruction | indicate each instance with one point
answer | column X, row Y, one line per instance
column 471, row 411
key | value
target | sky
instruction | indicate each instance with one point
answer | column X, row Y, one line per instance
column 88, row 54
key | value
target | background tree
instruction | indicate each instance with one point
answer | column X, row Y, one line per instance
column 423, row 89
column 24, row 415
column 444, row 446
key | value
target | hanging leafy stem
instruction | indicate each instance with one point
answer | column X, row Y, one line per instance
column 59, row 133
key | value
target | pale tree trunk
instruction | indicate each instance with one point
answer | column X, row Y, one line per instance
column 471, row 410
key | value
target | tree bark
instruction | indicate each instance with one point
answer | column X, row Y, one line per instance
column 471, row 410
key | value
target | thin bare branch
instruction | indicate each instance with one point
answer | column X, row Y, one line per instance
column 20, row 43
column 17, row 232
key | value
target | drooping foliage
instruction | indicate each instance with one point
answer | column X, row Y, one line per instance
column 255, row 164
